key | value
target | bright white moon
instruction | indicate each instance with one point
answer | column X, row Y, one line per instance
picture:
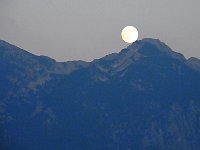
column 129, row 34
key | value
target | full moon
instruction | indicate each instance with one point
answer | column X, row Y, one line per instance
column 129, row 34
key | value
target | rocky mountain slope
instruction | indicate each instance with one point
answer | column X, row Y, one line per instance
column 146, row 97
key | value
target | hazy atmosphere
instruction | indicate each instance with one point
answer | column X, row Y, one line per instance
column 71, row 30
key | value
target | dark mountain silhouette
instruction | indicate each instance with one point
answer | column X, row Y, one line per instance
column 146, row 97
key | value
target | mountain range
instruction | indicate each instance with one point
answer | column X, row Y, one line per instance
column 146, row 97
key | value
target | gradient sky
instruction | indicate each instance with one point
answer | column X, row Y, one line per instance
column 88, row 29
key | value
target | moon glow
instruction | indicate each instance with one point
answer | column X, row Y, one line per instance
column 129, row 34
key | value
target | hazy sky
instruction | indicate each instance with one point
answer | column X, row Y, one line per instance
column 87, row 29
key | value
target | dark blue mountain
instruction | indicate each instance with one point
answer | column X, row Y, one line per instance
column 146, row 97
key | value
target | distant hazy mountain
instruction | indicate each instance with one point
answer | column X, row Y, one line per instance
column 146, row 97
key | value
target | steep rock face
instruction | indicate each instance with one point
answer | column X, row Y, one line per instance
column 145, row 97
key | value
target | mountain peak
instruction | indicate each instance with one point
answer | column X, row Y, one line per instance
column 134, row 99
column 5, row 44
column 194, row 63
column 12, row 49
column 140, row 50
column 149, row 47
